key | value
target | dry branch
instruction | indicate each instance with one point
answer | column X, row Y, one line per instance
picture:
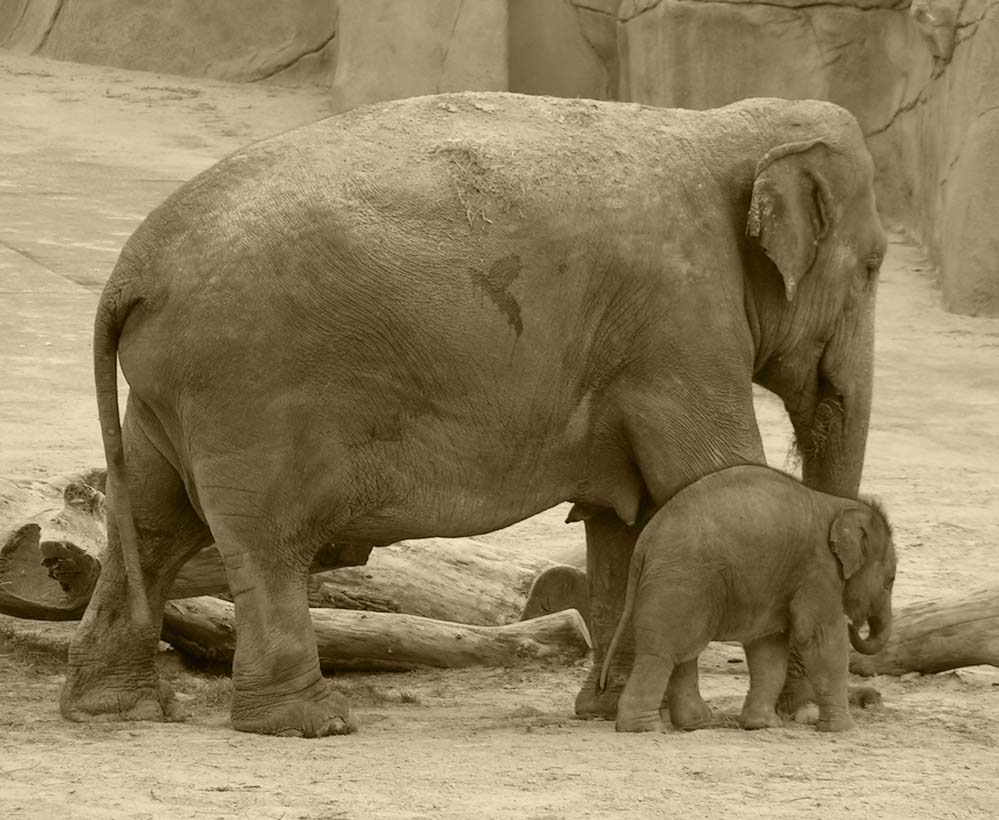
column 356, row 641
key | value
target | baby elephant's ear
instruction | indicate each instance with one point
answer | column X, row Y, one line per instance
column 848, row 538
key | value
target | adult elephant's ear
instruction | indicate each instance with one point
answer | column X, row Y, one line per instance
column 791, row 208
column 848, row 538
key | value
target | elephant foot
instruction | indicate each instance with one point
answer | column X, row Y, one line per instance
column 760, row 719
column 112, row 676
column 107, row 701
column 840, row 723
column 638, row 722
column 807, row 711
column 592, row 704
column 689, row 713
column 318, row 711
column 797, row 695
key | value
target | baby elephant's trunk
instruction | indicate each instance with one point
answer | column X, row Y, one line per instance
column 878, row 632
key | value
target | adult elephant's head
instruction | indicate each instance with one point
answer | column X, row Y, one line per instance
column 813, row 280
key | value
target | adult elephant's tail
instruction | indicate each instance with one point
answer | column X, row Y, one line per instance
column 115, row 303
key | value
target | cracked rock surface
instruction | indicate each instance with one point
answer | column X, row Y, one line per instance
column 922, row 79
column 240, row 40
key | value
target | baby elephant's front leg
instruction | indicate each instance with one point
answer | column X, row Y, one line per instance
column 827, row 663
column 766, row 658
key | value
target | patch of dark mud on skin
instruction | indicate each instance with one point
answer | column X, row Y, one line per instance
column 496, row 283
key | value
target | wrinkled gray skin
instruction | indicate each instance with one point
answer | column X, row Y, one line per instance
column 749, row 554
column 439, row 316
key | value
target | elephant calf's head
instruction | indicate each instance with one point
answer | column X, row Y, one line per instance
column 861, row 538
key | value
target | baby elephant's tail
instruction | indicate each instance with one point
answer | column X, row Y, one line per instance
column 634, row 575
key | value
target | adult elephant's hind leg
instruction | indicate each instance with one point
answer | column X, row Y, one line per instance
column 111, row 673
column 278, row 688
column 609, row 544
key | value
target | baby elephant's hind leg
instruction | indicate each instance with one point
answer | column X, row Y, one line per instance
column 767, row 662
column 638, row 707
column 684, row 704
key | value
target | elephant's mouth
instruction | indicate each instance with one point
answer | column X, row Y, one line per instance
column 877, row 635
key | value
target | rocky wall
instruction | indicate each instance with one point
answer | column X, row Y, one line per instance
column 941, row 145
column 922, row 76
column 239, row 40
column 922, row 80
column 391, row 49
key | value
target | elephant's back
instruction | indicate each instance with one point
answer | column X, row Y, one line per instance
column 453, row 162
column 732, row 503
column 450, row 178
column 445, row 214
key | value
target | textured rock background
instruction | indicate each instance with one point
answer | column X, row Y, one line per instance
column 238, row 40
column 922, row 76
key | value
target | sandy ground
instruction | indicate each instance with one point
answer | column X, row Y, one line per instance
column 84, row 153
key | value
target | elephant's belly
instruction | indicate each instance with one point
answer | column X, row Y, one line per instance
column 751, row 629
column 361, row 465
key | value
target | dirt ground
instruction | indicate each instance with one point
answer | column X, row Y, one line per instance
column 84, row 153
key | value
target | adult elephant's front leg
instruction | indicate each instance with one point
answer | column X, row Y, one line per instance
column 609, row 544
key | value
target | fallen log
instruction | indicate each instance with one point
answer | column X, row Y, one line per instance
column 459, row 580
column 25, row 591
column 377, row 641
column 447, row 579
column 939, row 634
column 463, row 579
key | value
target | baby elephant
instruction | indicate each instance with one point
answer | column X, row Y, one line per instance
column 749, row 554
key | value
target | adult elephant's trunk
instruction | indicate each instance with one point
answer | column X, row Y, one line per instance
column 879, row 630
column 833, row 441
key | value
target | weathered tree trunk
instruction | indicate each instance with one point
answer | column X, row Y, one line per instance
column 458, row 580
column 461, row 580
column 939, row 634
column 350, row 640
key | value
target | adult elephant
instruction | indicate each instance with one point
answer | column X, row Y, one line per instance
column 438, row 316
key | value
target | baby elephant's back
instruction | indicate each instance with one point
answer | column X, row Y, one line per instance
column 744, row 505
